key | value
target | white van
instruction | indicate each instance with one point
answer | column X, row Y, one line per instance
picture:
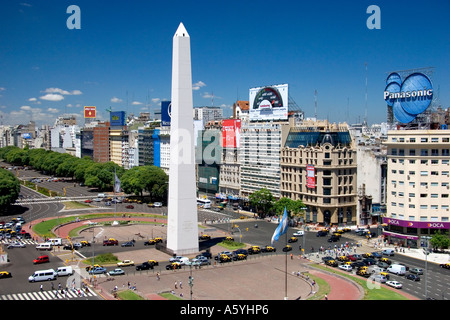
column 55, row 241
column 397, row 269
column 43, row 275
column 64, row 271
column 44, row 246
column 101, row 195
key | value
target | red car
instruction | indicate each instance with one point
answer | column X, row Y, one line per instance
column 41, row 259
column 88, row 201
column 351, row 258
column 129, row 206
column 111, row 242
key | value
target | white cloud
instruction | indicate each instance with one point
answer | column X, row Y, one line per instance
column 32, row 99
column 2, row 89
column 52, row 110
column 25, row 108
column 52, row 97
column 24, row 4
column 116, row 100
column 156, row 100
column 136, row 103
column 61, row 91
column 198, row 85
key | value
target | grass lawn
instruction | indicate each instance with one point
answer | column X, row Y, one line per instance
column 106, row 258
column 169, row 296
column 372, row 291
column 231, row 245
column 129, row 295
column 75, row 205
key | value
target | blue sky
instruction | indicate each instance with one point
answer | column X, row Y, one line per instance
column 121, row 56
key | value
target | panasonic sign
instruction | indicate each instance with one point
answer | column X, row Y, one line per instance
column 409, row 97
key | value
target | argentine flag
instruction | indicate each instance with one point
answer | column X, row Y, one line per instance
column 282, row 227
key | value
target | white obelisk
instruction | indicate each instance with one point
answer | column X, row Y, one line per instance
column 182, row 225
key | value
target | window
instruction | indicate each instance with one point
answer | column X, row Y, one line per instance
column 411, row 173
column 423, row 173
column 423, row 161
column 445, row 152
column 412, row 152
column 434, row 195
column 412, row 206
column 445, row 173
column 445, row 139
column 423, row 195
column 434, row 152
column 412, row 195
column 434, row 207
column 423, row 207
column 423, row 139
column 412, row 140
column 445, row 161
column 424, row 152
column 394, row 152
column 401, row 152
column 434, row 139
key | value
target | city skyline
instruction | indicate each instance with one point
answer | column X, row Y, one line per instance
column 121, row 56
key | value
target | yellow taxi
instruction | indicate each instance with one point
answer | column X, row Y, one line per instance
column 88, row 268
column 224, row 258
column 5, row 274
column 205, row 237
column 331, row 263
column 287, row 248
column 229, row 238
column 173, row 266
column 254, row 249
column 153, row 262
column 292, row 239
column 158, row 239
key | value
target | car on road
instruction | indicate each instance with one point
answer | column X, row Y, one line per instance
column 5, row 274
column 87, row 201
column 97, row 200
column 376, row 254
column 238, row 256
column 198, row 261
column 125, row 263
column 333, row 238
column 178, row 259
column 89, row 268
column 394, row 284
column 292, row 239
column 445, row 265
column 144, row 266
column 149, row 242
column 370, row 261
column 254, row 250
column 41, row 259
column 128, row 244
column 224, row 258
column 351, row 257
column 383, row 265
column 204, row 237
column 357, row 264
column 388, row 252
column 379, row 278
column 116, row 272
column 157, row 204
column 345, row 267
column 287, row 248
column 321, row 233
column 209, row 255
column 130, row 206
column 97, row 270
column 268, row 249
column 16, row 245
column 413, row 277
column 173, row 266
column 111, row 242
column 85, row 243
column 299, row 233
column 417, row 271
column 331, row 263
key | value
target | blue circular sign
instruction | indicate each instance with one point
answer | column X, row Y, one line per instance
column 410, row 97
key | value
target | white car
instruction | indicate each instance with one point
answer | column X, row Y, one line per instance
column 157, row 204
column 125, row 263
column 299, row 233
column 15, row 245
column 394, row 284
column 179, row 259
column 345, row 267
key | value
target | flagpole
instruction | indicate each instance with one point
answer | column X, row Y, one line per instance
column 285, row 268
column 115, row 200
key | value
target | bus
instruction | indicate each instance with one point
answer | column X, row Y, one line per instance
column 204, row 203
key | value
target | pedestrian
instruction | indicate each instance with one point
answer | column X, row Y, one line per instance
column 157, row 276
column 292, row 256
column 176, row 287
column 42, row 288
column 181, row 286
column 326, row 297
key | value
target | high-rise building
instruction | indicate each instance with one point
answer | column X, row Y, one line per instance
column 418, row 185
column 119, row 145
column 100, row 142
column 208, row 114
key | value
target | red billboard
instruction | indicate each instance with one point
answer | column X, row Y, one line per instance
column 310, row 177
column 231, row 132
column 89, row 112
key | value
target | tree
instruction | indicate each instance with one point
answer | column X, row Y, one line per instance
column 145, row 178
column 101, row 175
column 293, row 207
column 262, row 200
column 440, row 240
column 9, row 188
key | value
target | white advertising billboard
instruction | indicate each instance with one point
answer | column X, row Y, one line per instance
column 269, row 103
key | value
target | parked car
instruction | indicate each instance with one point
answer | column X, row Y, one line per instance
column 111, row 242
column 130, row 206
column 268, row 249
column 378, row 278
column 204, row 237
column 388, row 252
column 173, row 266
column 445, row 265
column 299, row 233
column 332, row 263
column 394, row 284
column 157, row 204
column 16, row 245
column 287, row 248
column 254, row 250
column 292, row 239
column 376, row 254
column 321, row 233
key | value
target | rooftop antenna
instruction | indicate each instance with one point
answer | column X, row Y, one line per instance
column 315, row 104
column 365, row 114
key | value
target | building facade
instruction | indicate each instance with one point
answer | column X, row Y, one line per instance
column 418, row 185
column 318, row 166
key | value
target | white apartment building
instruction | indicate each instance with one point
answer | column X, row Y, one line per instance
column 418, row 185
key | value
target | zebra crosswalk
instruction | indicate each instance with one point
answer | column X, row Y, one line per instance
column 50, row 295
column 24, row 241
